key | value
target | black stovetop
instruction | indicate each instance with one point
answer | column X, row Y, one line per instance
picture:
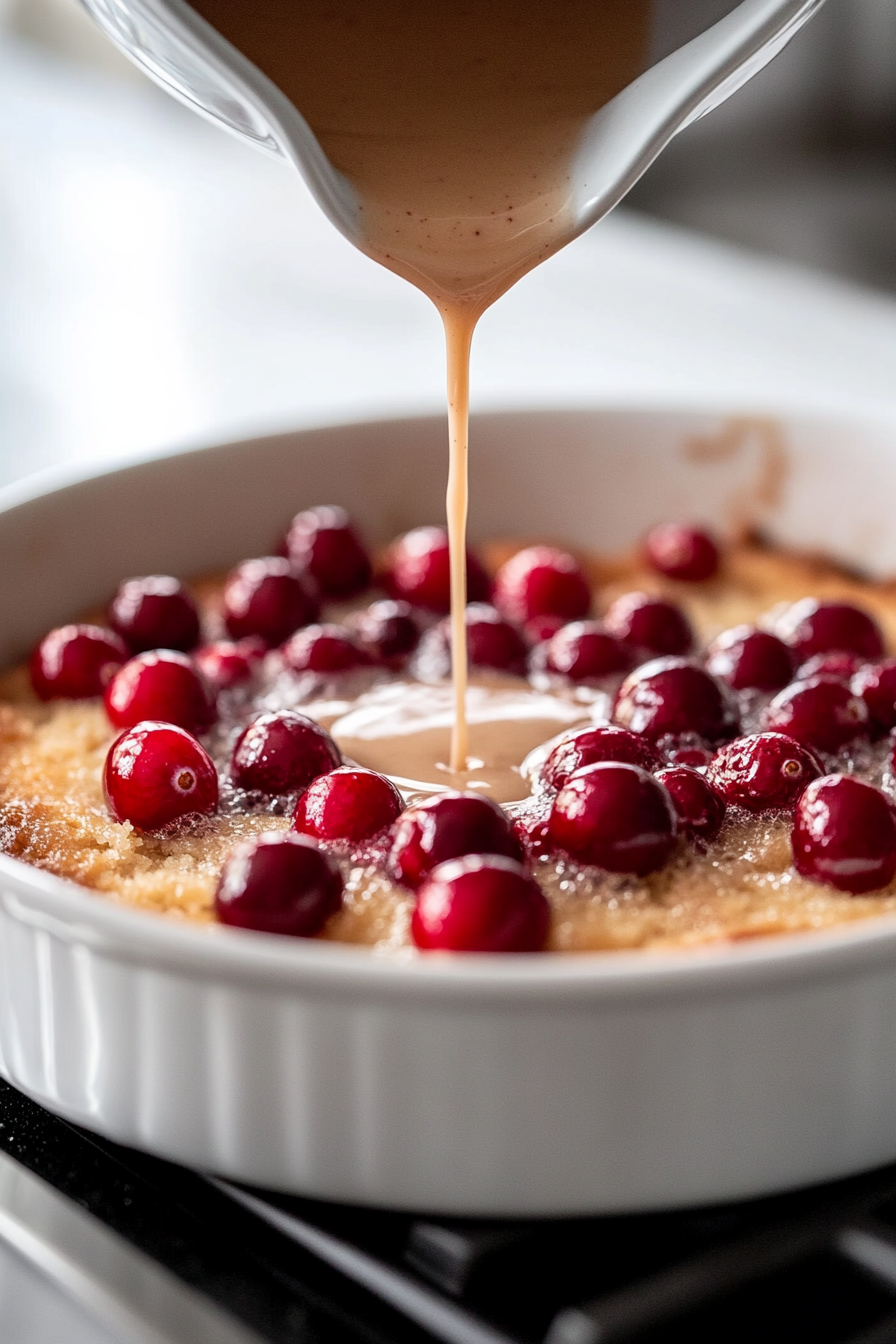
column 816, row 1267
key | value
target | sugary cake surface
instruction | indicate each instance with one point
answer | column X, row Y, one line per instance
column 53, row 815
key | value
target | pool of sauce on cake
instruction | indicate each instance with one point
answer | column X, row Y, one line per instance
column 52, row 812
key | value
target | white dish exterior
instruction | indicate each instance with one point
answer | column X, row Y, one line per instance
column 469, row 1085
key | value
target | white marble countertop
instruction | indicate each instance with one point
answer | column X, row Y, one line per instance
column 161, row 284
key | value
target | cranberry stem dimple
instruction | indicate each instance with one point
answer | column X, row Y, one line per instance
column 459, row 326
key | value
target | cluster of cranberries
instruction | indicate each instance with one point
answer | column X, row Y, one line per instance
column 619, row 796
column 677, row 754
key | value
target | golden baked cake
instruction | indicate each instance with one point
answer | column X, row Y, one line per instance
column 677, row 746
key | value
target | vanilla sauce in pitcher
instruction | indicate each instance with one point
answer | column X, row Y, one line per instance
column 457, row 125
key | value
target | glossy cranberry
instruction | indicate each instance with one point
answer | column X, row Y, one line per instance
column 820, row 712
column 447, row 827
column 587, row 746
column 682, row 552
column 155, row 612
column 649, row 623
column 418, row 570
column 750, row 659
column 279, row 884
column 281, row 752
column 670, row 696
column 323, row 648
column 266, row 598
column 844, row 834
column 810, row 627
column 156, row 773
column 842, row 666
column 492, row 641
column 615, row 816
column 480, row 903
column 585, row 649
column 541, row 581
column 75, row 662
column 227, row 663
column 699, row 808
column 160, row 685
column 347, row 804
column 323, row 543
column 388, row 631
column 763, row 770
column 538, row 629
column 876, row 684
column 531, row 830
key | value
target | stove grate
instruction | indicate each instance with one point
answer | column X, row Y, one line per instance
column 814, row 1267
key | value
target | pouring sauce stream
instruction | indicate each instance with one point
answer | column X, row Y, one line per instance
column 456, row 123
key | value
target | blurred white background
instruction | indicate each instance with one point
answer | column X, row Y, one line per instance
column 162, row 284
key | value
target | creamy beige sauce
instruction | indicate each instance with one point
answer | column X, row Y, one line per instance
column 403, row 729
column 457, row 124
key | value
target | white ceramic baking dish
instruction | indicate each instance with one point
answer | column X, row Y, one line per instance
column 467, row 1084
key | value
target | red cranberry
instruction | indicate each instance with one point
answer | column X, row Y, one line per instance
column 700, row 809
column 323, row 543
column 265, row 598
column 584, row 649
column 649, row 623
column 750, row 659
column 532, row 832
column 810, row 627
column 844, row 834
column 155, row 612
column 540, row 628
column 541, row 581
column 447, row 827
column 75, row 662
column 159, row 685
column 348, row 804
column 156, row 773
column 615, row 816
column 279, row 884
column 842, row 666
column 492, row 641
column 480, row 903
column 226, row 664
column 682, row 552
column 876, row 684
column 388, row 631
column 323, row 648
column 587, row 746
column 763, row 770
column 670, row 696
column 820, row 712
column 418, row 570
column 281, row 752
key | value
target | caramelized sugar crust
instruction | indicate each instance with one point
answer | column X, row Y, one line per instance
column 52, row 812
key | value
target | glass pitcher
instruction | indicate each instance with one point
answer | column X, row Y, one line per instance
column 182, row 52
